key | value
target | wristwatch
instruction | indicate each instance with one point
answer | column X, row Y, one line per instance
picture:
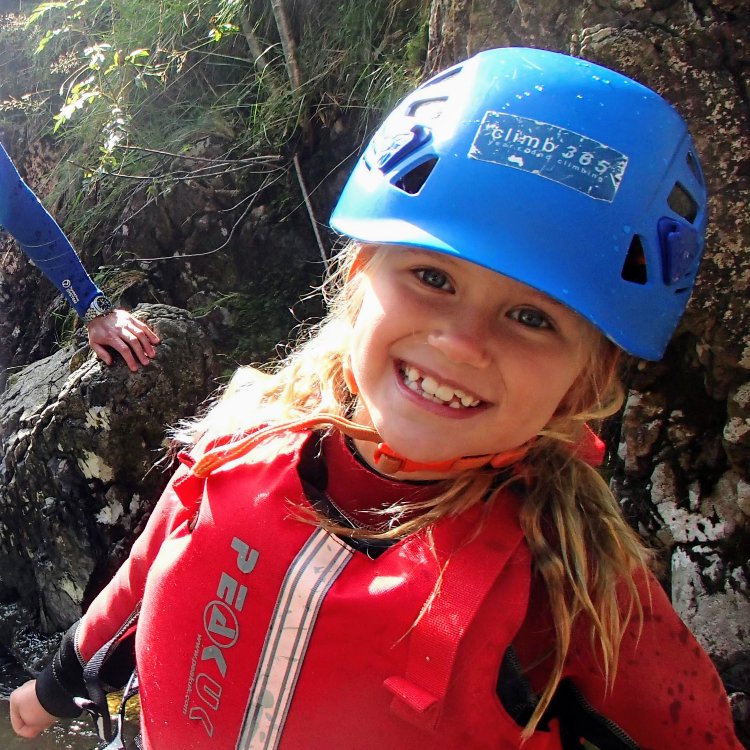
column 100, row 305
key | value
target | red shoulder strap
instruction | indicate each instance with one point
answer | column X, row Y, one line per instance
column 468, row 575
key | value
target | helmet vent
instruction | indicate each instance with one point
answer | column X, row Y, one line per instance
column 634, row 267
column 441, row 77
column 413, row 181
column 428, row 109
column 682, row 203
column 694, row 167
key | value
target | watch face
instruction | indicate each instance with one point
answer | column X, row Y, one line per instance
column 101, row 304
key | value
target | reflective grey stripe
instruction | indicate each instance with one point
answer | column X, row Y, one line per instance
column 311, row 574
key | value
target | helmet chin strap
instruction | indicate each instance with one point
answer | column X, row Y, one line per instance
column 391, row 462
column 387, row 460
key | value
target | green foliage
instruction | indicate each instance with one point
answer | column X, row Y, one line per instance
column 146, row 68
column 141, row 82
column 128, row 52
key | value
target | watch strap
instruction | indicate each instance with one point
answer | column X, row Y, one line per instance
column 100, row 305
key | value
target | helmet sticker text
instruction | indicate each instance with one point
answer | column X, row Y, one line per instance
column 561, row 155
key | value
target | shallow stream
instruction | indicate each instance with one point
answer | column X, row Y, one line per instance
column 68, row 735
column 65, row 735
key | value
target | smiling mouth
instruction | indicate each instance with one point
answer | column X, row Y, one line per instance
column 440, row 393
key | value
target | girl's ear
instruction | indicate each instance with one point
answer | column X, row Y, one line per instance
column 598, row 386
column 346, row 371
column 363, row 256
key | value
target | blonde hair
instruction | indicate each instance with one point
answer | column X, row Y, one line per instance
column 581, row 545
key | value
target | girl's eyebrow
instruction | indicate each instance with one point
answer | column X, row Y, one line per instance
column 437, row 257
column 552, row 300
column 422, row 251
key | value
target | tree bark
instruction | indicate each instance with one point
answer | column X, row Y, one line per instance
column 448, row 34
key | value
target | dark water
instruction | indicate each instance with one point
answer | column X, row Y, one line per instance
column 65, row 735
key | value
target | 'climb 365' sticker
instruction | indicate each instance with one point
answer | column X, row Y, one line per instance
column 550, row 151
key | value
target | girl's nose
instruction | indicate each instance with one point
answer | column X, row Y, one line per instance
column 464, row 342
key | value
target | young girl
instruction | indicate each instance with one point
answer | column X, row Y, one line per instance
column 397, row 538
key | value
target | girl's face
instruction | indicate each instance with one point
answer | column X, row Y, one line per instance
column 452, row 359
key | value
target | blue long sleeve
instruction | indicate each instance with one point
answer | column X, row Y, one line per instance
column 41, row 239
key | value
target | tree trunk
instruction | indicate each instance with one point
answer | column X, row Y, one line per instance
column 448, row 34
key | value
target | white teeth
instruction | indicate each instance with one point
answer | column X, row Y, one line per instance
column 412, row 373
column 444, row 393
column 429, row 388
column 429, row 385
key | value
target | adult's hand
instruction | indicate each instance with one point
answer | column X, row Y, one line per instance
column 26, row 713
column 121, row 331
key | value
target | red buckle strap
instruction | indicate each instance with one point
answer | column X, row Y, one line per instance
column 468, row 576
column 413, row 703
column 187, row 486
column 216, row 457
column 391, row 462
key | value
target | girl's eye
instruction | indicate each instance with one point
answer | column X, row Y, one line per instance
column 530, row 317
column 434, row 278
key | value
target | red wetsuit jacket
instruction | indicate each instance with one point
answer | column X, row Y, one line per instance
column 260, row 631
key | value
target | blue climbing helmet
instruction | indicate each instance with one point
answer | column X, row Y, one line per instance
column 554, row 171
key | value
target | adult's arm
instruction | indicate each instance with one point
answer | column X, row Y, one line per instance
column 41, row 239
column 44, row 243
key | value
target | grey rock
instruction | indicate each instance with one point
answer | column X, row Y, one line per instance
column 84, row 463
